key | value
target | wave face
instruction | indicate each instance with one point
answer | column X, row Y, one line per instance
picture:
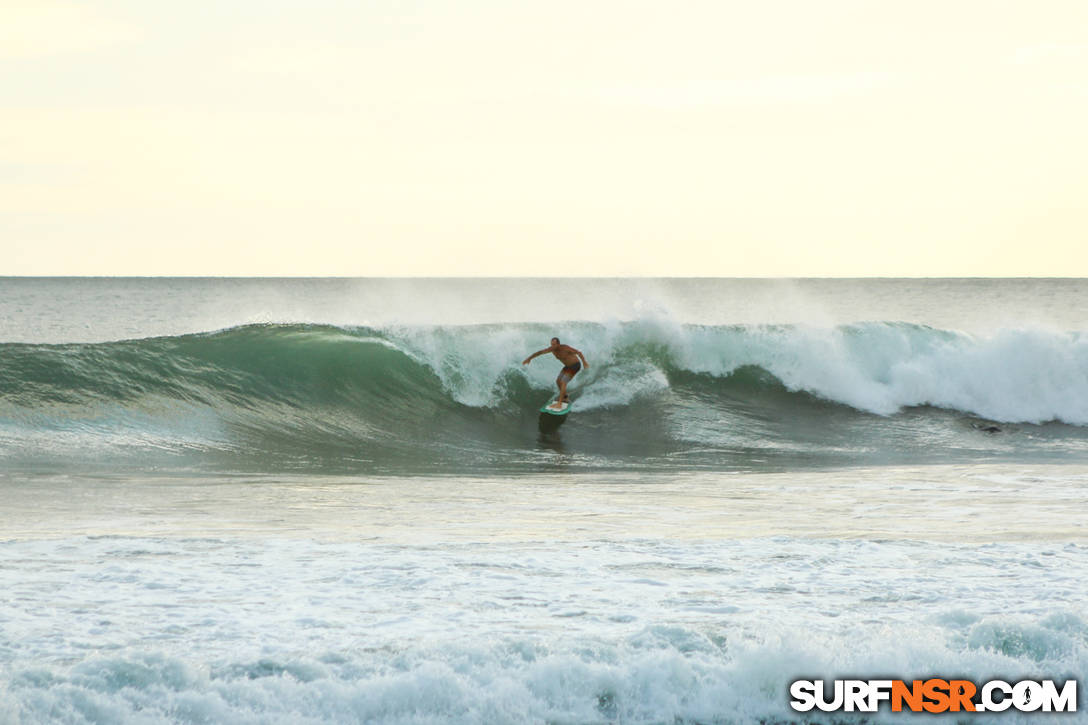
column 456, row 399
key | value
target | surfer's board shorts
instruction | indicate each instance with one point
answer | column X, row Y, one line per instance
column 569, row 372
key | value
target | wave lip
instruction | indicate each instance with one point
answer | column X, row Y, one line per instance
column 442, row 398
column 1014, row 376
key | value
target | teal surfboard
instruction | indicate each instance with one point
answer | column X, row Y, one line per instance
column 551, row 409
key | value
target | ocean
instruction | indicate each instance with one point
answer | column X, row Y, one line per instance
column 336, row 501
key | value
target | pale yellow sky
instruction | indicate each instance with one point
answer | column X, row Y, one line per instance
column 392, row 137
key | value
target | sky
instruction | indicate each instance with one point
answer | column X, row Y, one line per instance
column 777, row 138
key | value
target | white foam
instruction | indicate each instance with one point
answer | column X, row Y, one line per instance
column 278, row 631
column 1030, row 375
column 1016, row 375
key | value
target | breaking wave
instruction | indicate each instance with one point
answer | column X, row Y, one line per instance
column 457, row 398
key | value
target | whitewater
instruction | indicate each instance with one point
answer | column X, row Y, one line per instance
column 333, row 500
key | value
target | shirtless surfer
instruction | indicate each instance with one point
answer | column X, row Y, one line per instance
column 569, row 357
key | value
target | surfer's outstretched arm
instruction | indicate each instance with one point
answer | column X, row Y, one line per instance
column 538, row 352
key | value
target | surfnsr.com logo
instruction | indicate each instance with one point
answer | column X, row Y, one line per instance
column 934, row 695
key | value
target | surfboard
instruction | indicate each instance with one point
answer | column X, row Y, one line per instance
column 548, row 408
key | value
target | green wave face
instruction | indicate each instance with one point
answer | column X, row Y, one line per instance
column 456, row 399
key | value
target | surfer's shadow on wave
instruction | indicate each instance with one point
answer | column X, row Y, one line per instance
column 551, row 442
column 548, row 437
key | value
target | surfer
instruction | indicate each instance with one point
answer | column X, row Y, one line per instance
column 570, row 359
